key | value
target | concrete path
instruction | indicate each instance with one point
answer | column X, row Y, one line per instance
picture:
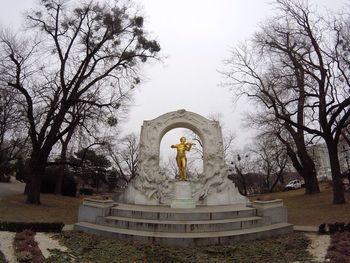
column 13, row 188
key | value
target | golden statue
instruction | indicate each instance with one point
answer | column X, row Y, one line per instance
column 181, row 159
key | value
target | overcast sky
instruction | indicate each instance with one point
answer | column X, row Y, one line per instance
column 195, row 35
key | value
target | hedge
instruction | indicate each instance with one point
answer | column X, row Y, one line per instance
column 86, row 191
column 48, row 182
column 55, row 227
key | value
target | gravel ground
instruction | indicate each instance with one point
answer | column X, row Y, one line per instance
column 318, row 247
column 13, row 188
column 6, row 246
column 46, row 242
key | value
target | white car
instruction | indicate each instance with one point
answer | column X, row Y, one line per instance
column 295, row 184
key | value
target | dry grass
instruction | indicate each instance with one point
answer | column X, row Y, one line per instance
column 304, row 210
column 53, row 209
column 313, row 210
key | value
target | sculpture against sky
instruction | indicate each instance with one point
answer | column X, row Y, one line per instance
column 154, row 187
column 181, row 159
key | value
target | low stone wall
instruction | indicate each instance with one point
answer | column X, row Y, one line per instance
column 93, row 209
column 272, row 209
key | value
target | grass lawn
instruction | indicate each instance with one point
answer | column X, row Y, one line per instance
column 304, row 210
column 53, row 209
column 313, row 210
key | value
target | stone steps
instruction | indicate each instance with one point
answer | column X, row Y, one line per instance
column 198, row 213
column 187, row 239
column 203, row 225
column 182, row 226
column 166, row 208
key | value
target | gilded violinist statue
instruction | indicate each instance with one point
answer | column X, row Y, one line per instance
column 181, row 159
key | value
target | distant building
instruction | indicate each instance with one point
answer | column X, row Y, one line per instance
column 319, row 153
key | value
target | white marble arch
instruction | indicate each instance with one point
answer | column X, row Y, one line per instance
column 153, row 131
column 153, row 187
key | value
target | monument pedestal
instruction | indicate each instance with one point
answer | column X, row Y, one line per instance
column 183, row 195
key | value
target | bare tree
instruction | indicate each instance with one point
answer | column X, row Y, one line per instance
column 294, row 141
column 228, row 137
column 244, row 172
column 13, row 143
column 169, row 167
column 91, row 125
column 87, row 55
column 8, row 114
column 346, row 134
column 125, row 156
column 292, row 69
column 272, row 159
column 261, row 168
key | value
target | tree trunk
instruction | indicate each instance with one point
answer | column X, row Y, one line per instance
column 37, row 170
column 302, row 162
column 305, row 166
column 310, row 177
column 311, row 182
column 338, row 188
column 33, row 189
column 278, row 178
column 244, row 185
column 59, row 179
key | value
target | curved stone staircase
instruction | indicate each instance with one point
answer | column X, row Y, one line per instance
column 207, row 225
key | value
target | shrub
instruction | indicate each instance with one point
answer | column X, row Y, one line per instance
column 24, row 256
column 86, row 191
column 69, row 186
column 55, row 227
column 339, row 250
column 322, row 229
column 5, row 178
column 48, row 182
column 331, row 229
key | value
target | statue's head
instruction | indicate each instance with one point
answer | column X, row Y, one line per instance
column 183, row 139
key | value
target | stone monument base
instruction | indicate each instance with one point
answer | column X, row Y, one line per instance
column 200, row 226
column 183, row 195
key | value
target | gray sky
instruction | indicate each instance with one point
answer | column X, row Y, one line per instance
column 196, row 36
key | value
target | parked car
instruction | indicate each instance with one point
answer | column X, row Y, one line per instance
column 294, row 184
